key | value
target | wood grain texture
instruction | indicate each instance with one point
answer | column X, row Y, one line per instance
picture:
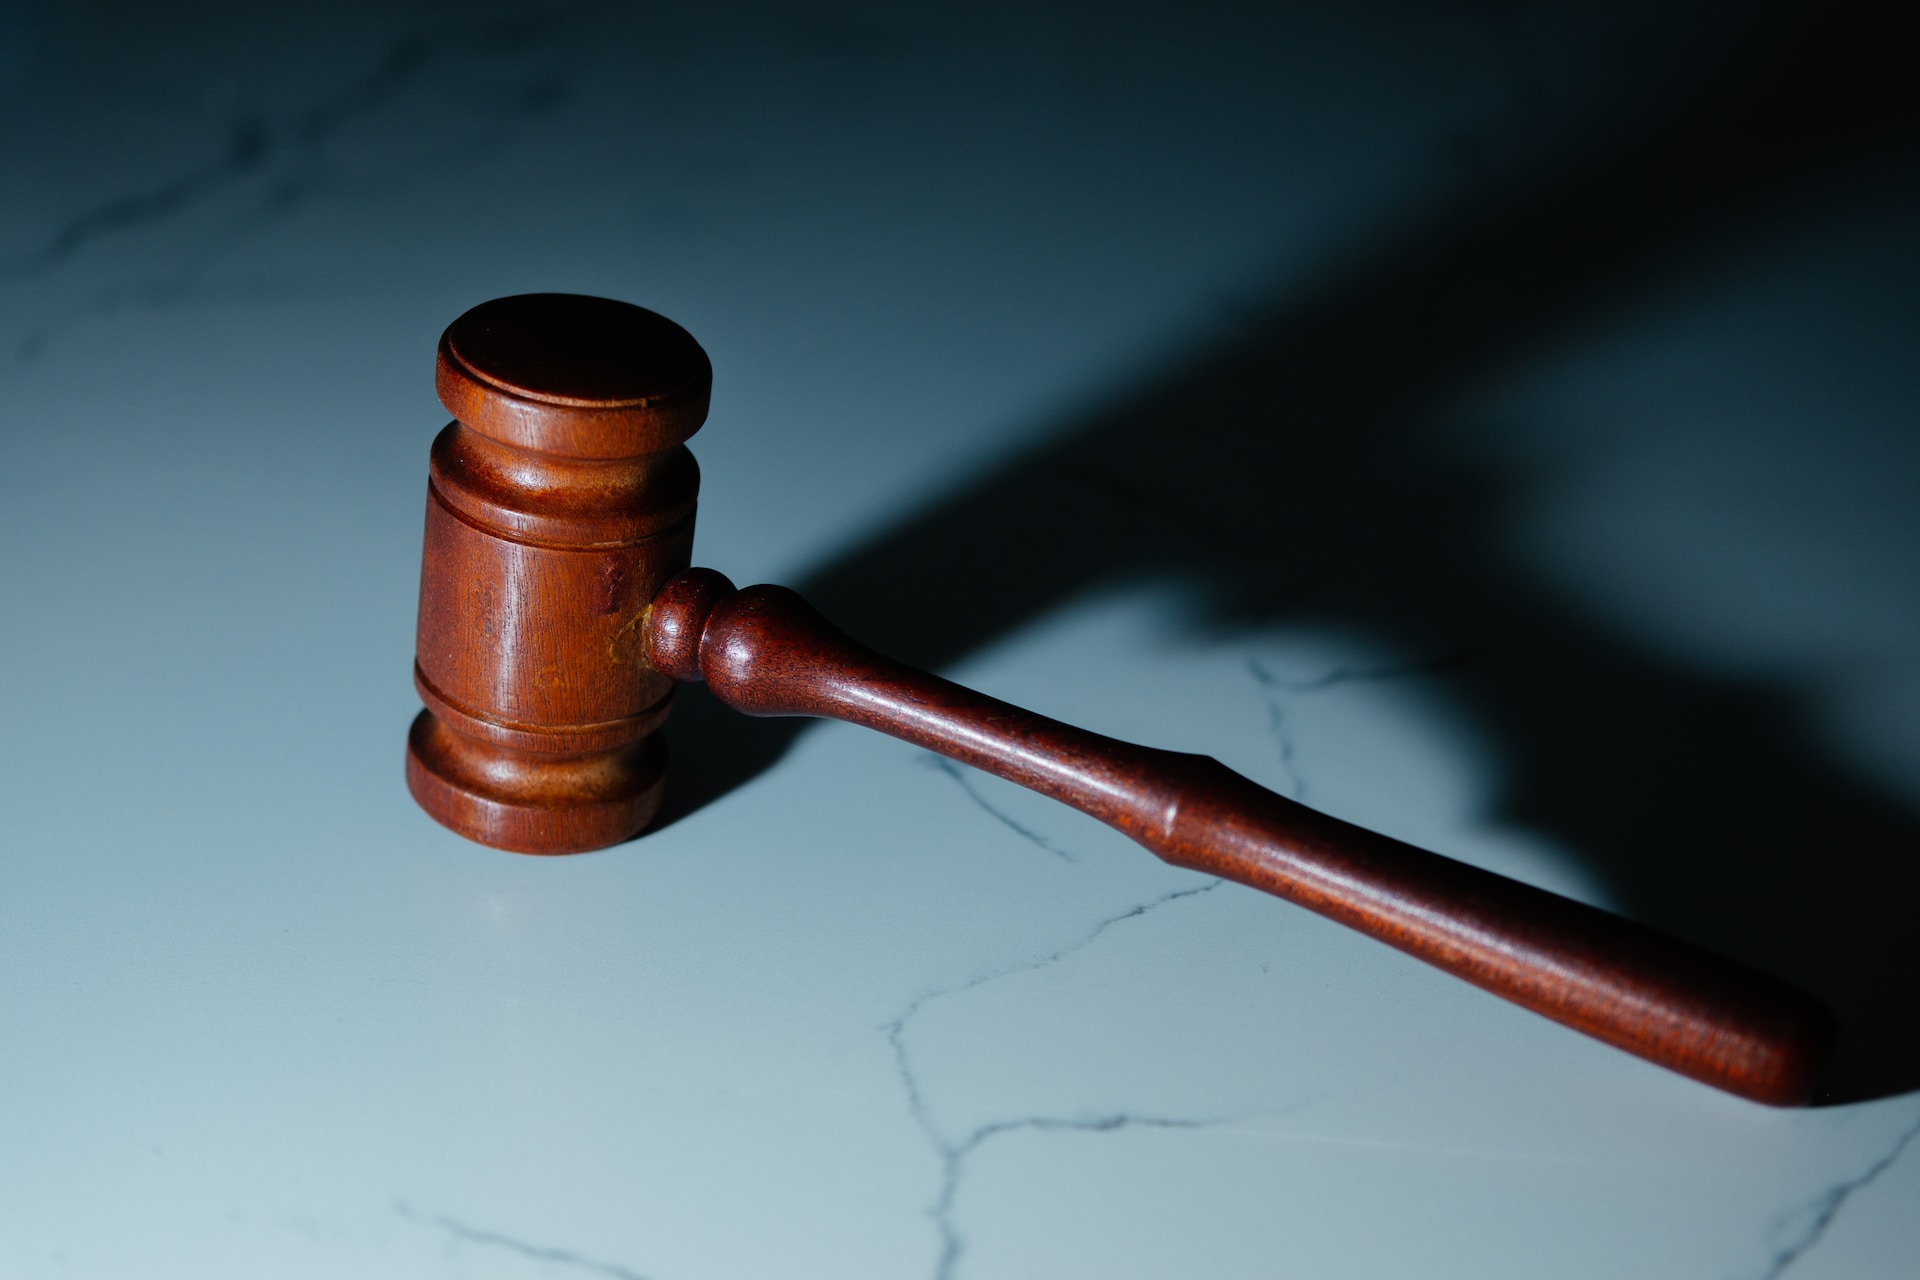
column 554, row 619
column 557, row 503
column 765, row 652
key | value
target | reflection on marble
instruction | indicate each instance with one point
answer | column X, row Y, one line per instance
column 1441, row 416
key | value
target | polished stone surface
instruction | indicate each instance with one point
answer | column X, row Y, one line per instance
column 1435, row 414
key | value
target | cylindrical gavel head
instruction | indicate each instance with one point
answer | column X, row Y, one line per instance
column 558, row 502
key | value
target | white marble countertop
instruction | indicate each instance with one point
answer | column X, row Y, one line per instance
column 1381, row 400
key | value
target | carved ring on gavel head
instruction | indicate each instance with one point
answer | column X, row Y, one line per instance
column 557, row 611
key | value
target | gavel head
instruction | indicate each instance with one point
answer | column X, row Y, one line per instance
column 558, row 502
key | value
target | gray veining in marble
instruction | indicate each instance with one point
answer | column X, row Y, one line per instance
column 1348, row 393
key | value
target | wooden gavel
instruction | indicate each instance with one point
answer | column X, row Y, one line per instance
column 557, row 611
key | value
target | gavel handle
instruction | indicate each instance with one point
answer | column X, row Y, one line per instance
column 766, row 652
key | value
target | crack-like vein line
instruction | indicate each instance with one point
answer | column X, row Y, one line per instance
column 253, row 146
column 1437, row 664
column 953, row 1155
column 495, row 1240
column 1274, row 689
column 959, row 775
column 1277, row 726
column 1824, row 1208
column 898, row 1024
column 248, row 148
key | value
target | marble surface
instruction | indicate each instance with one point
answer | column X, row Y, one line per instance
column 1465, row 419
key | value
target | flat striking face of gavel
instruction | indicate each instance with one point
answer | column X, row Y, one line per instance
column 557, row 610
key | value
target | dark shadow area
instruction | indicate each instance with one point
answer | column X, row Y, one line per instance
column 713, row 749
column 1286, row 474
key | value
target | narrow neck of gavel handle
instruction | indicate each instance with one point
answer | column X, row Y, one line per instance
column 765, row 652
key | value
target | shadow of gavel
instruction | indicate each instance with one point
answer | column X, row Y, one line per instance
column 557, row 611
